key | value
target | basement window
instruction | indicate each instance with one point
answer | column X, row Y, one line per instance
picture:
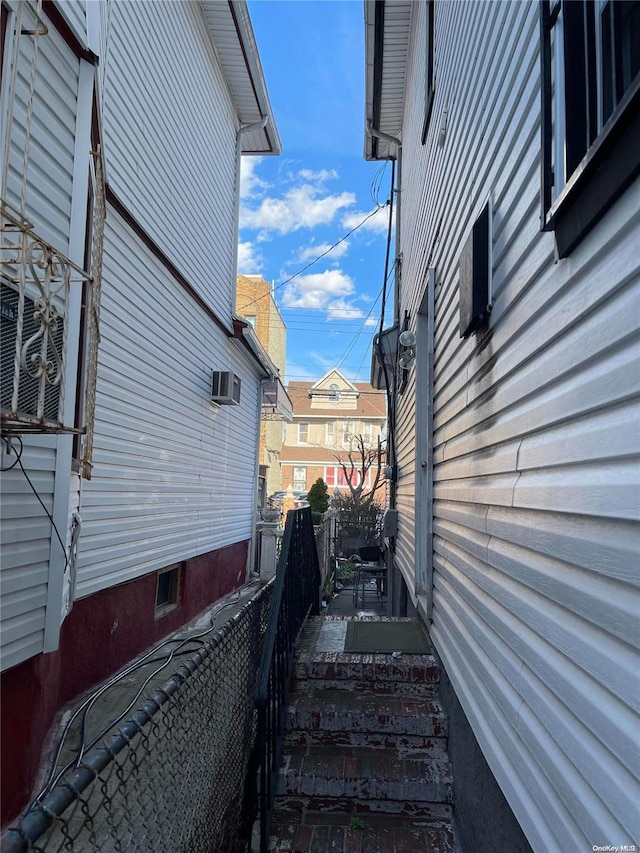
column 167, row 590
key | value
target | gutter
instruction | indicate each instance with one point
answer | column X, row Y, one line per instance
column 246, row 337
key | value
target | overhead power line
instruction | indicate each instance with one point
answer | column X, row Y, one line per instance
column 320, row 256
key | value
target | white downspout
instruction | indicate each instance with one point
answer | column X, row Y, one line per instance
column 245, row 128
column 256, row 477
column 391, row 569
column 386, row 137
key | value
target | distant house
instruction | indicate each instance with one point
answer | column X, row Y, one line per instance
column 514, row 127
column 129, row 491
column 256, row 305
column 328, row 417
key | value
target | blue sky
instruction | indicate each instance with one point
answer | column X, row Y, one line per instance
column 295, row 206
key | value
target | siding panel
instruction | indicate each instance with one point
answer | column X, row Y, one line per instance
column 146, row 506
column 49, row 177
column 169, row 130
column 536, row 441
column 25, row 533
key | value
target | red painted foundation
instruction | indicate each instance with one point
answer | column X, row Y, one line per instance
column 101, row 634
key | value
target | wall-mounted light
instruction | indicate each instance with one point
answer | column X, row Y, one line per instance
column 407, row 349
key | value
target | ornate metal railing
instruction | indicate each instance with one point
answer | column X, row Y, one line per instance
column 296, row 595
column 35, row 290
column 41, row 289
column 169, row 776
column 36, row 284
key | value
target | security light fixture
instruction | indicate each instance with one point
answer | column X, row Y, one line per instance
column 407, row 349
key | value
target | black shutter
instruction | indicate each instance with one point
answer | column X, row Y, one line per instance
column 474, row 276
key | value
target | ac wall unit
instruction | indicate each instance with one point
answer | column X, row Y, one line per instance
column 30, row 393
column 225, row 388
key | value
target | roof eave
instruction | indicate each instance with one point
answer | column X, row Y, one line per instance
column 382, row 16
column 232, row 35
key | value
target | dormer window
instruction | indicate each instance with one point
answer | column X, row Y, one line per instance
column 335, row 393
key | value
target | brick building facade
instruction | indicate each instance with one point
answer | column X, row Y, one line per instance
column 328, row 417
column 255, row 304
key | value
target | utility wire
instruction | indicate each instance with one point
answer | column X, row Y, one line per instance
column 358, row 333
column 18, row 461
column 83, row 710
column 376, row 183
column 315, row 261
column 391, row 416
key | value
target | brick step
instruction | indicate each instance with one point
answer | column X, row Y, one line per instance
column 315, row 709
column 407, row 746
column 403, row 674
column 339, row 811
column 363, row 838
column 382, row 775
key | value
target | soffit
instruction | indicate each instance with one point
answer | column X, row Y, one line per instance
column 232, row 35
column 387, row 29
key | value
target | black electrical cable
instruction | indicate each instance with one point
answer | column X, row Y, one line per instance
column 390, row 396
column 7, row 442
column 35, row 492
column 86, row 706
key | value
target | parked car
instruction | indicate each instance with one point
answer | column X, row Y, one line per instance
column 277, row 498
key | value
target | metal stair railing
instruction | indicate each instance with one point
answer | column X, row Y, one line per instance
column 296, row 595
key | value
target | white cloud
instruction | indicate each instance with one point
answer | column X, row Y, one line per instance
column 317, row 289
column 314, row 250
column 249, row 259
column 342, row 309
column 371, row 321
column 300, row 207
column 250, row 184
column 322, row 175
column 378, row 223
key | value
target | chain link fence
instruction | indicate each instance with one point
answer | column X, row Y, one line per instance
column 171, row 777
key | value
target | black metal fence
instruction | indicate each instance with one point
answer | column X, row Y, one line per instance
column 296, row 595
column 170, row 777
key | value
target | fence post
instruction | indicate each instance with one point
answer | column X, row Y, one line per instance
column 267, row 532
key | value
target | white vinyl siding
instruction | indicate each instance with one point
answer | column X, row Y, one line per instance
column 536, row 542
column 75, row 11
column 173, row 474
column 170, row 139
column 49, row 176
column 25, row 532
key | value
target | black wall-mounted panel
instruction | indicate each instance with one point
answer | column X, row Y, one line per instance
column 474, row 276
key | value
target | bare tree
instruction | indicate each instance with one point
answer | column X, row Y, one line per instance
column 360, row 463
column 359, row 511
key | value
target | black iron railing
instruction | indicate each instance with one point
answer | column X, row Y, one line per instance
column 296, row 595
